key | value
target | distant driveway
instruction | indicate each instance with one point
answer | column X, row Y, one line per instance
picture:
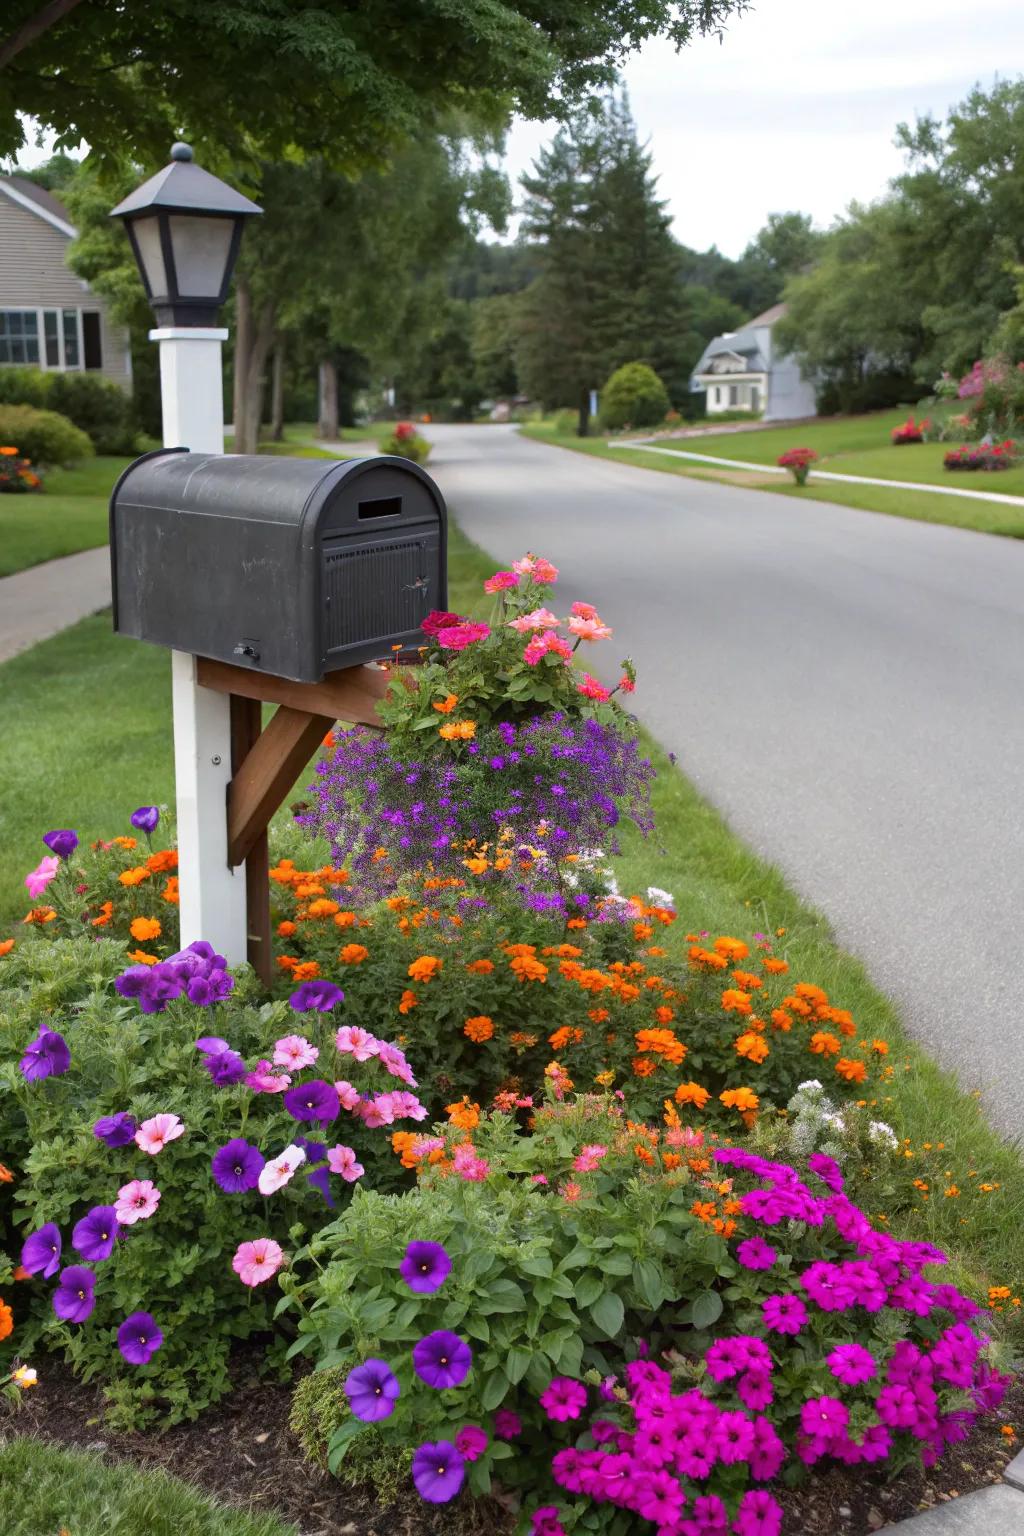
column 847, row 688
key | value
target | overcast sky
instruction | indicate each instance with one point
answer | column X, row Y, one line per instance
column 798, row 105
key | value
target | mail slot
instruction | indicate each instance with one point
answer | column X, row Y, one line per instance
column 294, row 567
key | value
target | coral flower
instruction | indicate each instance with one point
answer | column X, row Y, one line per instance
column 592, row 689
column 589, row 629
column 258, row 1261
column 154, row 1134
column 501, row 581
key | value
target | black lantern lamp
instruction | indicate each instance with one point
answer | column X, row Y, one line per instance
column 185, row 227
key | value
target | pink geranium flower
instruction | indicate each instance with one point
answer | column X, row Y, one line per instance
column 154, row 1134
column 262, row 1080
column 590, row 1158
column 39, row 878
column 294, row 1051
column 258, row 1261
column 540, row 618
column 501, row 581
column 136, row 1201
column 583, row 611
column 544, row 571
column 394, row 1061
column 592, row 689
column 343, row 1160
column 277, row 1172
column 469, row 1166
column 353, row 1041
column 541, row 645
column 375, row 1112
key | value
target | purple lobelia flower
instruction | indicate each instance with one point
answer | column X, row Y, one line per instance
column 115, row 1130
column 73, row 1300
column 318, row 996
column 372, row 1390
column 95, row 1235
column 425, row 1267
column 47, row 1056
column 315, row 1100
column 62, row 842
column 145, row 819
column 438, row 1471
column 442, row 1359
column 237, row 1166
column 40, row 1252
column 139, row 1338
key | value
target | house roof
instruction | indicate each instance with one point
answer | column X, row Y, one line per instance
column 768, row 318
column 745, row 343
column 27, row 194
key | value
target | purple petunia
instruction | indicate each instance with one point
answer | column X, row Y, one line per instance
column 425, row 1267
column 47, row 1056
column 115, row 1130
column 73, row 1300
column 139, row 1338
column 145, row 818
column 372, row 1390
column 226, row 1068
column 237, row 1166
column 204, row 991
column 315, row 1100
column 438, row 1471
column 320, row 996
column 40, row 1252
column 62, row 842
column 95, row 1235
column 442, row 1359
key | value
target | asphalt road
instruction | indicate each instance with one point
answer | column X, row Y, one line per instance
column 847, row 688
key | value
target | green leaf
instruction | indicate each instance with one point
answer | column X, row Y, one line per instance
column 340, row 1441
column 608, row 1313
column 495, row 1390
column 648, row 1280
column 539, row 1265
column 588, row 1288
column 706, row 1309
column 517, row 1363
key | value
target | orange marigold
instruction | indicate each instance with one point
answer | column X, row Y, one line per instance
column 480, row 967
column 286, row 929
column 140, row 957
column 408, row 1002
column 853, row 1071
column 664, row 1015
column 6, row 946
column 526, row 968
column 880, row 1047
column 424, row 968
column 599, row 1015
column 170, row 891
column 739, row 1098
column 747, row 981
column 6, row 1176
column 134, row 876
column 457, row 730
column 287, row 962
column 353, row 954
column 643, row 1066
column 781, row 1020
column 644, row 1153
column 824, row 1044
column 144, row 928
column 774, row 966
column 752, row 1046
column 463, row 1115
column 322, row 907
column 344, row 919
column 479, row 1029
column 565, row 1036
column 104, row 915
column 692, row 1093
column 445, row 706
column 6, row 1320
column 40, row 915
column 731, row 949
column 308, row 970
column 734, row 1001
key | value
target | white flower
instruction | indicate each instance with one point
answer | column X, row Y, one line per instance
column 659, row 898
column 834, row 1122
column 878, row 1131
column 811, row 1086
column 279, row 1170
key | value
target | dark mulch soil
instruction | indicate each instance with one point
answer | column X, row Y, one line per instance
column 243, row 1454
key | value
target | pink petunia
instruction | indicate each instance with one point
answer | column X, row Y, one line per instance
column 295, row 1052
column 154, row 1134
column 394, row 1061
column 353, row 1041
column 348, row 1096
column 136, row 1201
column 258, row 1261
column 39, row 878
column 375, row 1112
column 501, row 581
column 545, row 644
column 277, row 1172
column 262, row 1080
column 590, row 1158
column 540, row 618
column 583, row 611
column 343, row 1160
column 462, row 635
column 406, row 1106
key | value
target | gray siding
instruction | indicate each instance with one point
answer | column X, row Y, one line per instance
column 34, row 273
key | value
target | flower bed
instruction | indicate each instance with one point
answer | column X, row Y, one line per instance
column 911, row 432
column 16, row 473
column 983, row 456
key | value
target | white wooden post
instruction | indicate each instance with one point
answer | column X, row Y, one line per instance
column 212, row 895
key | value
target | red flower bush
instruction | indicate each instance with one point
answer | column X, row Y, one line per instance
column 911, row 431
column 985, row 456
column 798, row 461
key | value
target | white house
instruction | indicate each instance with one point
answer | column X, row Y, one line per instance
column 48, row 317
column 743, row 371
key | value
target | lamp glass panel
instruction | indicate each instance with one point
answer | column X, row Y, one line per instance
column 147, row 238
column 201, row 248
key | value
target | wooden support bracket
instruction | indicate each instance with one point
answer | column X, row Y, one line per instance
column 266, row 763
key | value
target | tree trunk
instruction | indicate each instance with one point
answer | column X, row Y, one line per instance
column 252, row 368
column 583, row 421
column 328, row 425
column 277, row 393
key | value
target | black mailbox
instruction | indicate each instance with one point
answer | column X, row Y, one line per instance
column 294, row 567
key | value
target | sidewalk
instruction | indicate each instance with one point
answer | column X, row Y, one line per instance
column 994, row 1511
column 47, row 598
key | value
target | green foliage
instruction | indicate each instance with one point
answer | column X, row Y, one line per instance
column 25, row 386
column 44, row 437
column 634, row 396
column 408, row 445
column 97, row 406
column 319, row 1409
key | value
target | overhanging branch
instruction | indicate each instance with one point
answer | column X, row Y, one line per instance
column 34, row 27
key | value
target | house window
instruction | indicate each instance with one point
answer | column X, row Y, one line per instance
column 52, row 338
column 92, row 344
column 71, row 357
column 734, row 394
column 19, row 336
column 718, row 394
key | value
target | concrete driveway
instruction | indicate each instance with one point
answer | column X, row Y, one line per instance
column 847, row 688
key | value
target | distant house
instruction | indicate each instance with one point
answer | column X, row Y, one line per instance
column 743, row 371
column 48, row 316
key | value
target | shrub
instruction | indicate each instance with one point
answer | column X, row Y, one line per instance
column 16, row 474
column 407, row 443
column 634, row 396
column 911, row 431
column 114, row 1089
column 798, row 461
column 25, row 386
column 566, row 423
column 568, row 1303
column 98, row 406
column 43, row 437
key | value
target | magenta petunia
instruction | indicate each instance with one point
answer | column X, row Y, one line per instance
column 755, row 1253
column 471, row 1442
column 852, row 1364
column 784, row 1314
column 564, row 1399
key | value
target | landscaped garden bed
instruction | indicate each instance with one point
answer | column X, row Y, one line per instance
column 529, row 1168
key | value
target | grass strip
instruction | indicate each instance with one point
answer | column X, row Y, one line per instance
column 45, row 1490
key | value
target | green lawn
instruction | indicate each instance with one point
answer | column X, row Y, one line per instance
column 87, row 739
column 847, row 447
column 69, row 515
column 44, row 1491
